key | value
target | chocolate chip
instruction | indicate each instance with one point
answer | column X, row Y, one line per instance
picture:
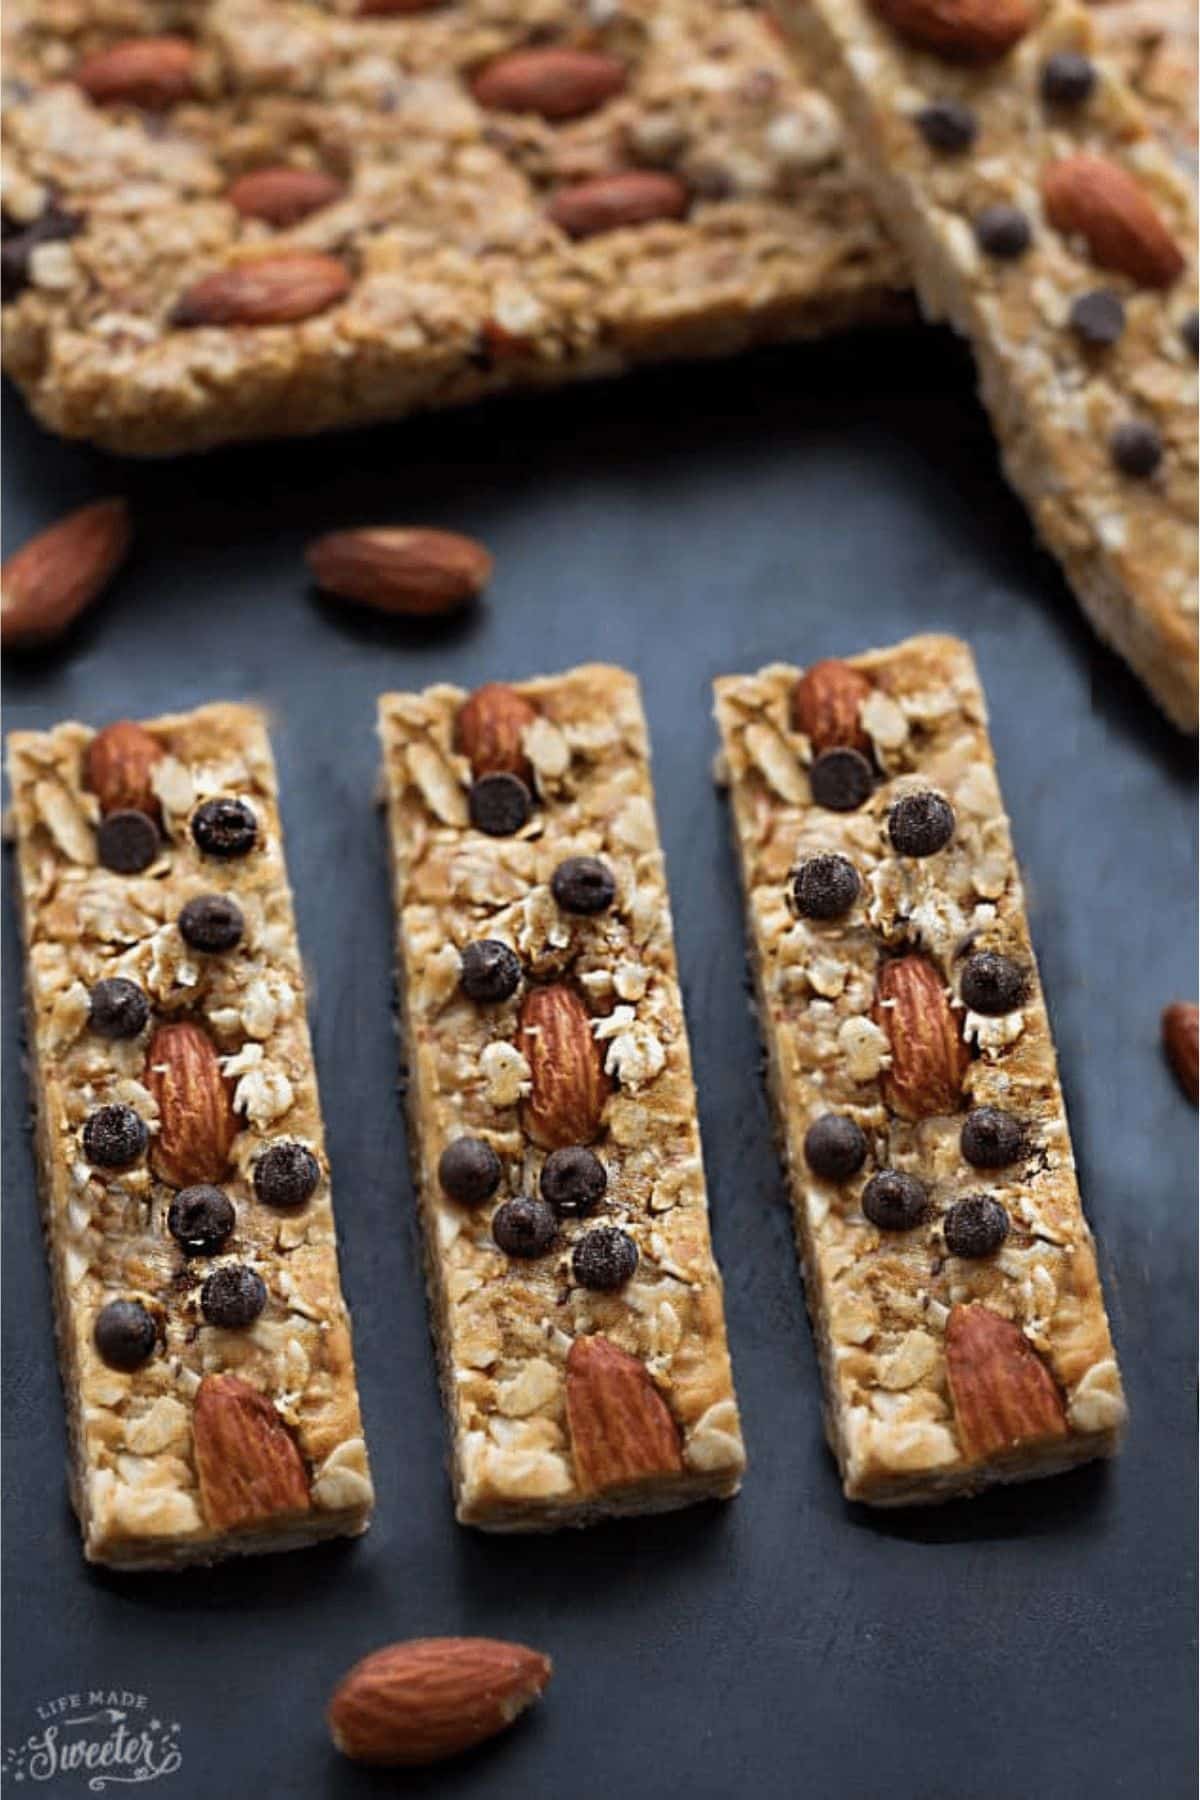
column 894, row 1201
column 975, row 1226
column 499, row 804
column 211, row 922
column 524, row 1228
column 920, row 824
column 834, row 1146
column 286, row 1174
column 947, row 125
column 117, row 1008
column 490, row 972
column 841, row 779
column 53, row 225
column 573, row 1181
column 1002, row 232
column 125, row 1334
column 1097, row 318
column 1067, row 78
column 1189, row 332
column 114, row 1137
column 583, row 884
column 604, row 1259
column 825, row 887
column 224, row 827
column 1136, row 448
column 200, row 1219
column 127, row 841
column 992, row 983
column 470, row 1170
column 991, row 1138
column 233, row 1297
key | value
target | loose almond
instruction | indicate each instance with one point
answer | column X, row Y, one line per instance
column 48, row 582
column 967, row 31
column 283, row 196
column 118, row 767
column 1004, row 1395
column 410, row 570
column 557, row 83
column 489, row 728
column 929, row 1057
column 196, row 1120
column 247, row 1463
column 568, row 1083
column 266, row 290
column 608, row 202
column 1101, row 202
column 1181, row 1031
column 825, row 707
column 421, row 1701
column 622, row 1432
column 154, row 72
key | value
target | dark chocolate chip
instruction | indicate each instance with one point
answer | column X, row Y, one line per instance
column 1067, row 78
column 841, row 779
column 834, row 1147
column 1097, row 318
column 573, row 1181
column 583, row 884
column 947, row 125
column 118, row 1008
column 920, row 824
column 127, row 841
column 1189, row 332
column 524, row 1227
column 604, row 1259
column 1002, row 232
column 825, row 887
column 224, row 827
column 470, row 1170
column 125, row 1334
column 286, row 1174
column 992, row 983
column 1136, row 448
column 114, row 1137
column 52, row 226
column 200, row 1219
column 499, row 804
column 491, row 972
column 211, row 922
column 894, row 1201
column 975, row 1226
column 991, row 1138
column 233, row 1297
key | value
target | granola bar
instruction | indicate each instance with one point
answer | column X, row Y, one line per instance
column 488, row 195
column 950, row 1272
column 575, row 1301
column 203, row 1339
column 1041, row 218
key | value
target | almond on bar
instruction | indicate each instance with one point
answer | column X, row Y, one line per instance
column 950, row 1272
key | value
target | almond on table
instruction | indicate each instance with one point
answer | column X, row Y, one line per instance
column 419, row 1702
column 576, row 1304
column 949, row 1269
column 203, row 1338
column 52, row 579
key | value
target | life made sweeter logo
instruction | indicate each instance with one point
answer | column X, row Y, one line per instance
column 95, row 1739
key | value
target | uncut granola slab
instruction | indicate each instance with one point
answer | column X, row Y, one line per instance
column 950, row 1272
column 575, row 1302
column 203, row 1338
column 1044, row 222
column 486, row 195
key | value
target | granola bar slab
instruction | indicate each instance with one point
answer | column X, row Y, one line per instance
column 575, row 1302
column 950, row 1272
column 1041, row 217
column 203, row 1338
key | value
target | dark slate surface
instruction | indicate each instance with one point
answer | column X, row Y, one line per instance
column 804, row 503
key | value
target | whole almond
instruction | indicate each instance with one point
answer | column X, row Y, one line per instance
column 48, row 582
column 825, row 707
column 1181, row 1040
column 283, row 196
column 196, row 1120
column 1098, row 200
column 929, row 1057
column 489, row 728
column 247, row 1463
column 568, row 1084
column 967, row 31
column 412, row 570
column 557, row 83
column 118, row 767
column 1004, row 1395
column 622, row 1432
column 608, row 202
column 265, row 290
column 154, row 72
column 430, row 1698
